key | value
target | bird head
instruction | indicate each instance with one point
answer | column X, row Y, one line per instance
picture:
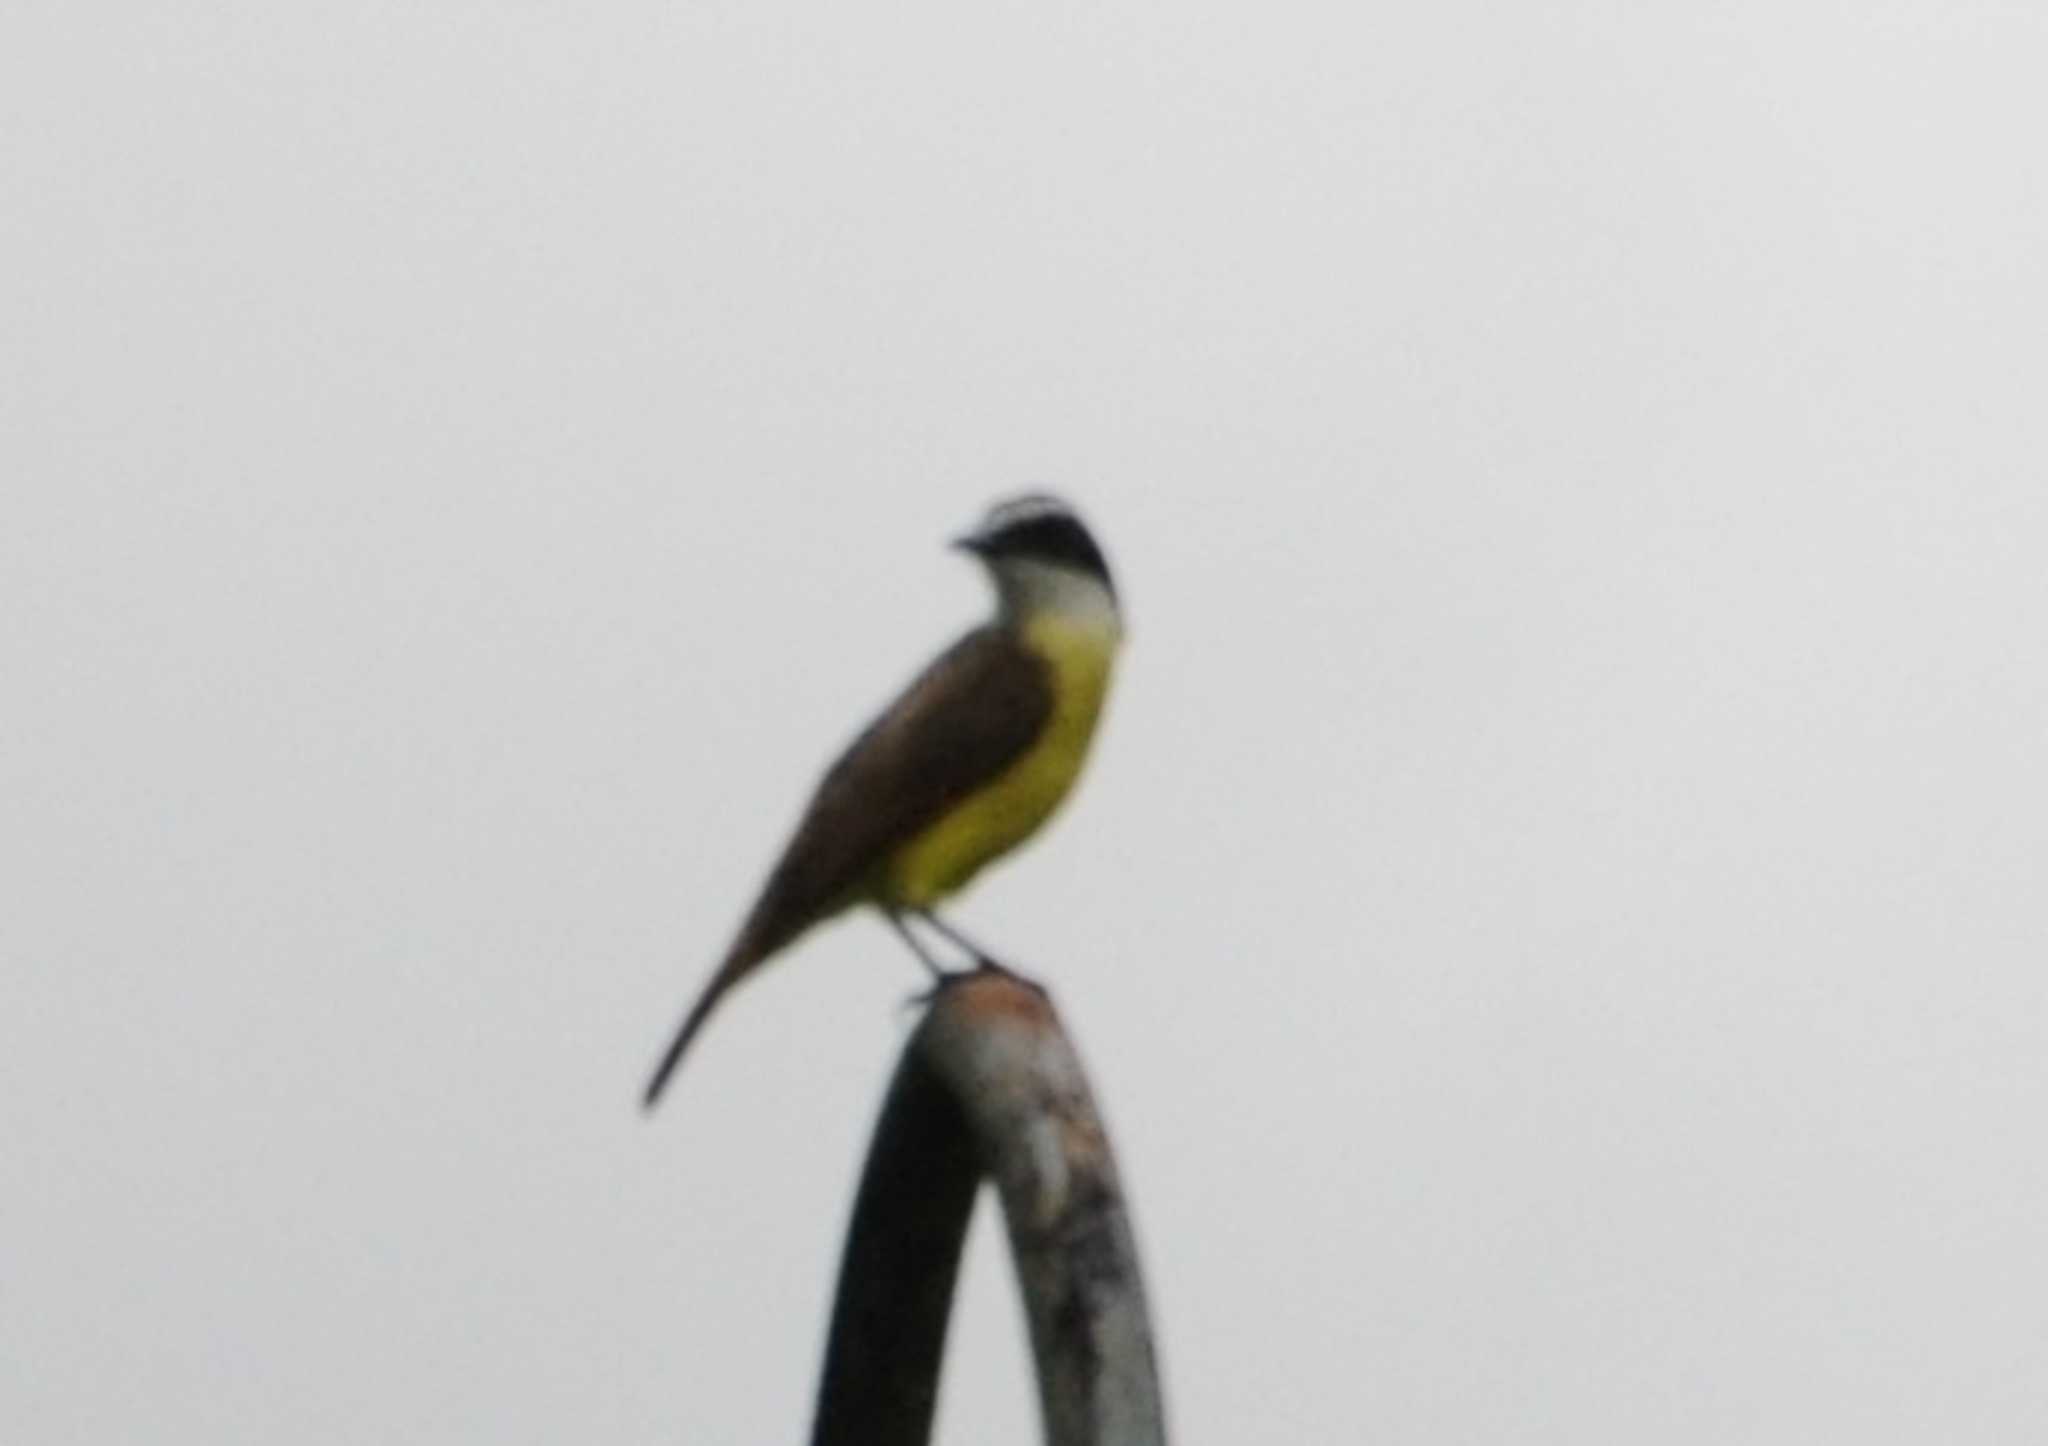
column 1042, row 559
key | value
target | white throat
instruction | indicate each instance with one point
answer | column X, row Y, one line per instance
column 1029, row 591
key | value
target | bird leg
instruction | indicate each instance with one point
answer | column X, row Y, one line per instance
column 981, row 957
column 895, row 919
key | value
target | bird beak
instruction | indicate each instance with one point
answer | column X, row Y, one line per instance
column 974, row 542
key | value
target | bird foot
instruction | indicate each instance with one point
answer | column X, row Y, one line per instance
column 983, row 965
column 942, row 979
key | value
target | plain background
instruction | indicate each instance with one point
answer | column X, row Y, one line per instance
column 1555, row 916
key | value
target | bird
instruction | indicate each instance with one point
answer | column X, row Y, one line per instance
column 966, row 764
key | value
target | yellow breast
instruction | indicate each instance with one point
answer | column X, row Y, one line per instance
column 1009, row 809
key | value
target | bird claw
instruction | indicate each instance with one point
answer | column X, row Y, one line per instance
column 992, row 966
column 942, row 980
column 983, row 966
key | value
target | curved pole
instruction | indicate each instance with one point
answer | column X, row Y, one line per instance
column 989, row 1083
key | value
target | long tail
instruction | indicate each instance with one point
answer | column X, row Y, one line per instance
column 738, row 964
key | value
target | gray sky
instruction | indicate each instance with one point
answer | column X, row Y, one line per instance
column 1555, row 916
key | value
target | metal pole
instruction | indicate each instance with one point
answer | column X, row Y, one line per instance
column 989, row 1083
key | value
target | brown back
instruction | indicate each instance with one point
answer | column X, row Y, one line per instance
column 966, row 718
column 959, row 724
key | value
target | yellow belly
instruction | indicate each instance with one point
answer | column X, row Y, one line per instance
column 1004, row 812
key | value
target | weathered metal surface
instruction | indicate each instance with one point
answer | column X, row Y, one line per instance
column 990, row 1083
column 881, row 1376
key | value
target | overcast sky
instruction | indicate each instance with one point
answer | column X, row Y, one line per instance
column 1555, row 916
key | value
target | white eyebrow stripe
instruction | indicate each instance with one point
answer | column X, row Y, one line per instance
column 1030, row 508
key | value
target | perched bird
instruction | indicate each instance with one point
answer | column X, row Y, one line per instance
column 965, row 765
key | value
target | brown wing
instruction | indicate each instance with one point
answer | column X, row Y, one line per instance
column 964, row 719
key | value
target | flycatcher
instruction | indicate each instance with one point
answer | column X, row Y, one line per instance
column 965, row 765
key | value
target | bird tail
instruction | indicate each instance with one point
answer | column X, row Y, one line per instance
column 749, row 951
